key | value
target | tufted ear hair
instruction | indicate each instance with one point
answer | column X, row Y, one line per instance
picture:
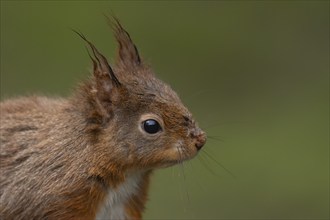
column 106, row 84
column 101, row 66
column 128, row 55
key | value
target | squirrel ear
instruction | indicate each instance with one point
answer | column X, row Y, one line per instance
column 128, row 55
column 106, row 84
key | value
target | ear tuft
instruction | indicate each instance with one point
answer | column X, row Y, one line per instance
column 128, row 55
column 100, row 64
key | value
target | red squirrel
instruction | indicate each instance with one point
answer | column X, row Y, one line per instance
column 90, row 156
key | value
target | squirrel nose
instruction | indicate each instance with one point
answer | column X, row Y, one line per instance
column 200, row 137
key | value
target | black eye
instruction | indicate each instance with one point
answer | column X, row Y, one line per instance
column 151, row 126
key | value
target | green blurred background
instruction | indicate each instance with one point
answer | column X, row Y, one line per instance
column 255, row 75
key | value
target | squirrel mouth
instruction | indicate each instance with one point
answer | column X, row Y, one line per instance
column 176, row 154
column 183, row 153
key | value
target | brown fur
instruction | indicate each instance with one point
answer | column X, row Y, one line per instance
column 59, row 156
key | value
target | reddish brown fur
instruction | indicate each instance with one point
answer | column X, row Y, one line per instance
column 59, row 157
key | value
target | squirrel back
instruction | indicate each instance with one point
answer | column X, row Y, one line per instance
column 90, row 156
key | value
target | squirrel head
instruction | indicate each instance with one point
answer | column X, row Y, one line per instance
column 132, row 114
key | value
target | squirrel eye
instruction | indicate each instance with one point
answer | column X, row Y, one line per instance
column 151, row 126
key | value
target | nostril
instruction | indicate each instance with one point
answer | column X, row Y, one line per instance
column 199, row 145
column 199, row 137
column 200, row 142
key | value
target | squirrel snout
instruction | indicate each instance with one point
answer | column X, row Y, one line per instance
column 200, row 137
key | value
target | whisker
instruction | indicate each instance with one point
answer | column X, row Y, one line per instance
column 215, row 138
column 184, row 178
column 200, row 158
column 219, row 164
column 182, row 169
column 181, row 156
column 196, row 180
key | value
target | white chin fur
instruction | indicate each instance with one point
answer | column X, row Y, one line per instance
column 113, row 207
